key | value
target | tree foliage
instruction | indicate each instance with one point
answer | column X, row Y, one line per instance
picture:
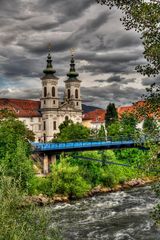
column 15, row 150
column 144, row 17
column 70, row 131
column 111, row 114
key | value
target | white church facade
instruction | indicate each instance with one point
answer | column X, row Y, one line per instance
column 44, row 117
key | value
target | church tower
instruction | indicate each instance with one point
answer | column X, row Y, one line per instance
column 72, row 87
column 49, row 101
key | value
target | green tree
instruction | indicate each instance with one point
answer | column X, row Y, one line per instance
column 102, row 133
column 73, row 132
column 114, row 131
column 111, row 114
column 128, row 123
column 144, row 17
column 15, row 150
column 65, row 124
column 150, row 126
column 66, row 179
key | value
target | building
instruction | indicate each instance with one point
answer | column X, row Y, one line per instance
column 94, row 119
column 44, row 117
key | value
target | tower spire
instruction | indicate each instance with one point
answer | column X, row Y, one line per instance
column 72, row 74
column 49, row 68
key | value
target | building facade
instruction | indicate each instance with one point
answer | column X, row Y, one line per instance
column 44, row 117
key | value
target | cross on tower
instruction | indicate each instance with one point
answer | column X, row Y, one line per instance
column 72, row 50
column 49, row 47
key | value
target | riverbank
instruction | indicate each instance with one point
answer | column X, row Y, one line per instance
column 58, row 198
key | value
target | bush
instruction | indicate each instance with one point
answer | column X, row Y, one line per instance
column 17, row 164
column 108, row 180
column 66, row 179
column 21, row 221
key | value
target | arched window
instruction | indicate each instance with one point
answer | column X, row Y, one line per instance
column 53, row 92
column 66, row 118
column 54, row 125
column 44, row 125
column 69, row 93
column 45, row 91
column 76, row 93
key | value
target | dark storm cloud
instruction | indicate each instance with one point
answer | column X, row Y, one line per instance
column 19, row 67
column 59, row 46
column 68, row 10
column 150, row 80
column 21, row 93
column 28, row 26
column 115, row 62
column 117, row 79
column 112, row 93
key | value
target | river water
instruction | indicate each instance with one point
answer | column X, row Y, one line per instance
column 121, row 215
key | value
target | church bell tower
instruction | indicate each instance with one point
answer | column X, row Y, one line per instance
column 72, row 87
column 49, row 100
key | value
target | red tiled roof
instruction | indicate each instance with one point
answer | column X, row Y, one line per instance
column 22, row 108
column 97, row 115
column 125, row 109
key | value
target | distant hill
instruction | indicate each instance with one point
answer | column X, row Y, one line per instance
column 87, row 108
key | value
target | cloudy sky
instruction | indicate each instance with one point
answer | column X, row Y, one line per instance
column 106, row 54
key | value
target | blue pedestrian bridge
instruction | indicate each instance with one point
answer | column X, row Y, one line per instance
column 58, row 147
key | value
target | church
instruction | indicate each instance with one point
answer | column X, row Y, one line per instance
column 44, row 117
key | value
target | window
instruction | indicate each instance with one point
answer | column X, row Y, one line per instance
column 77, row 103
column 66, row 118
column 44, row 125
column 45, row 91
column 31, row 119
column 44, row 102
column 69, row 93
column 76, row 93
column 53, row 92
column 54, row 125
column 44, row 137
column 54, row 102
column 39, row 127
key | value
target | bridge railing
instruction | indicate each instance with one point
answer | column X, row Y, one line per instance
column 86, row 143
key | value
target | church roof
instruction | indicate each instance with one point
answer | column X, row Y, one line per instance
column 22, row 108
column 72, row 74
column 49, row 71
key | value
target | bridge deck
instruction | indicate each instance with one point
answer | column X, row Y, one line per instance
column 82, row 146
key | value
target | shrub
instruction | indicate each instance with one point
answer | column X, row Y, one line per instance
column 19, row 221
column 17, row 164
column 66, row 179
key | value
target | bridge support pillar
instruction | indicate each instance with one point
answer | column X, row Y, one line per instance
column 53, row 159
column 45, row 164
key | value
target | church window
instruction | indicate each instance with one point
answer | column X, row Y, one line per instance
column 76, row 93
column 54, row 101
column 44, row 125
column 66, row 118
column 44, row 102
column 77, row 103
column 53, row 92
column 44, row 137
column 69, row 93
column 54, row 125
column 45, row 91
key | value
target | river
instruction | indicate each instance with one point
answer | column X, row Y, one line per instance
column 121, row 215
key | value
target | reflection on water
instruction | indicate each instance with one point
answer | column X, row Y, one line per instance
column 115, row 216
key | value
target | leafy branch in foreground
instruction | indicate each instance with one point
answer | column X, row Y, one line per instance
column 144, row 17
